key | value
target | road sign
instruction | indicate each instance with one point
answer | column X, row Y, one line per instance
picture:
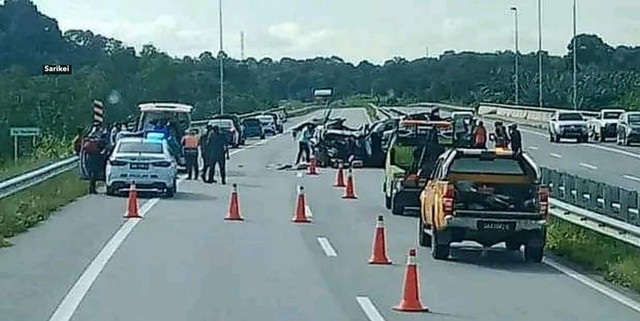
column 25, row 131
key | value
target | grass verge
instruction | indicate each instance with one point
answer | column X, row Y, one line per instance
column 617, row 261
column 372, row 112
column 10, row 169
column 25, row 209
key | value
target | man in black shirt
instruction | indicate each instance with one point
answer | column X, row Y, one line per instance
column 216, row 152
column 516, row 139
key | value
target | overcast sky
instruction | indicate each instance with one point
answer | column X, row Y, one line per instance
column 375, row 30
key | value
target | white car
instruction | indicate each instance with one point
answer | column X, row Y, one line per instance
column 228, row 129
column 268, row 124
column 604, row 125
column 568, row 124
column 145, row 161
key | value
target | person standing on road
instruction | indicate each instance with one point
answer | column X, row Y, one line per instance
column 94, row 146
column 218, row 154
column 516, row 139
column 190, row 148
column 204, row 148
column 304, row 141
column 480, row 136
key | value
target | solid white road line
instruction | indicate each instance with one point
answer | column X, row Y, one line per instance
column 555, row 155
column 611, row 293
column 369, row 309
column 326, row 246
column 72, row 300
column 631, row 177
column 589, row 166
column 533, row 148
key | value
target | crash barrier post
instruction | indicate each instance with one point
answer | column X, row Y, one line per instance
column 596, row 190
column 582, row 190
column 379, row 246
column 300, row 215
column 571, row 193
column 633, row 200
column 233, row 214
column 411, row 288
column 628, row 201
column 612, row 201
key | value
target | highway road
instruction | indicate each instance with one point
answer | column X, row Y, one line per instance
column 184, row 262
column 601, row 162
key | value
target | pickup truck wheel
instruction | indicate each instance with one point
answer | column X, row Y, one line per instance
column 262, row 136
column 438, row 251
column 423, row 237
column 534, row 248
column 397, row 207
column 111, row 191
column 387, row 201
column 625, row 141
column 602, row 136
column 551, row 137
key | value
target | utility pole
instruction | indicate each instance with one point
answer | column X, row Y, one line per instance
column 221, row 62
column 515, row 14
column 575, row 57
column 540, row 53
column 242, row 45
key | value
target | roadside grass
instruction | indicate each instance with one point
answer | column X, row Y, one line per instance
column 372, row 112
column 27, row 208
column 10, row 169
column 616, row 261
column 359, row 100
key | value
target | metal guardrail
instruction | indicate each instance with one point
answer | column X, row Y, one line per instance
column 19, row 183
column 607, row 209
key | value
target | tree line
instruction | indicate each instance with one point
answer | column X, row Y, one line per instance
column 109, row 70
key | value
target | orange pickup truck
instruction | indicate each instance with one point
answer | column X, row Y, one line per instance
column 487, row 196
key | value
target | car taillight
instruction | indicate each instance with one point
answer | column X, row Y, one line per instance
column 448, row 199
column 161, row 164
column 543, row 199
column 117, row 163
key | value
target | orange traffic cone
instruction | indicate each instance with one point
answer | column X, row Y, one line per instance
column 379, row 253
column 340, row 177
column 234, row 206
column 349, row 191
column 132, row 202
column 300, row 214
column 411, row 292
column 312, row 166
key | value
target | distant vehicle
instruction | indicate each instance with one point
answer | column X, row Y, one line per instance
column 228, row 129
column 237, row 124
column 145, row 161
column 253, row 128
column 268, row 124
column 277, row 121
column 282, row 113
column 179, row 117
column 568, row 124
column 486, row 196
column 628, row 129
column 603, row 126
column 405, row 158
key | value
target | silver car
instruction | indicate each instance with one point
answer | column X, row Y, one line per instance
column 145, row 161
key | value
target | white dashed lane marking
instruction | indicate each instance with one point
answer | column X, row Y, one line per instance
column 589, row 166
column 555, row 155
column 326, row 246
column 369, row 309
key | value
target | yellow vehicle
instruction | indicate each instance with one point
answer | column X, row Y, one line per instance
column 486, row 196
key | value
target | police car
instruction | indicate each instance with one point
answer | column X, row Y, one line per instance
column 146, row 161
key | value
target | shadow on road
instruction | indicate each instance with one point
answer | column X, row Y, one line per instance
column 497, row 258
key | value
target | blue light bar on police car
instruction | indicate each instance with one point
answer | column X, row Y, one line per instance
column 155, row 136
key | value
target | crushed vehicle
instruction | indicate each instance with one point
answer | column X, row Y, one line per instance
column 486, row 196
column 413, row 150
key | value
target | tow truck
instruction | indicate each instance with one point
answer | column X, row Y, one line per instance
column 413, row 148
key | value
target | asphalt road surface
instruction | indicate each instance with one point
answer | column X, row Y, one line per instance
column 184, row 262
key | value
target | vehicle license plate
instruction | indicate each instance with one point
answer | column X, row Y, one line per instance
column 496, row 226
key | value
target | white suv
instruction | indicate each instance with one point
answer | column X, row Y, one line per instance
column 568, row 124
column 145, row 161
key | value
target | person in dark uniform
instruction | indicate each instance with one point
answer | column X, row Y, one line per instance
column 95, row 147
column 218, row 154
column 516, row 139
column 204, row 151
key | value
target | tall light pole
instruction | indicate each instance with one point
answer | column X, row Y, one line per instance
column 575, row 57
column 540, row 53
column 221, row 62
column 515, row 14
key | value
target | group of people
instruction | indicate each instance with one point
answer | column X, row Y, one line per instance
column 213, row 147
column 501, row 137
